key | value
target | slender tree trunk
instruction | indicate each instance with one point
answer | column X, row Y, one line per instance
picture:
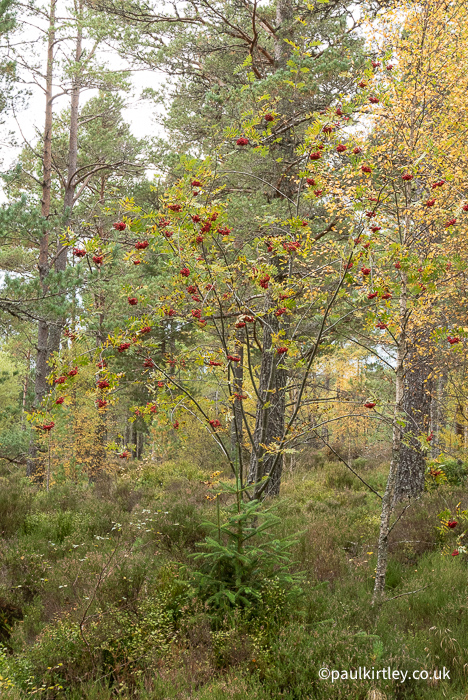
column 238, row 386
column 438, row 415
column 61, row 256
column 387, row 500
column 25, row 387
column 40, row 383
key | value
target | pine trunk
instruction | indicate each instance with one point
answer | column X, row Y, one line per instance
column 34, row 468
column 61, row 256
column 269, row 421
column 416, row 408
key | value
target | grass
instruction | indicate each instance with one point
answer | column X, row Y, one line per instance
column 97, row 598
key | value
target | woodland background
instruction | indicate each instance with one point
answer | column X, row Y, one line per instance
column 233, row 370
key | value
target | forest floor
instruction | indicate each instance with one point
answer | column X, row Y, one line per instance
column 100, row 595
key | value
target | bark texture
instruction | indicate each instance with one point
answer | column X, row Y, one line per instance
column 269, row 421
column 416, row 408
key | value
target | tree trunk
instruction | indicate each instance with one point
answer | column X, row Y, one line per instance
column 61, row 256
column 238, row 388
column 387, row 500
column 416, row 408
column 40, row 383
column 438, row 417
column 269, row 420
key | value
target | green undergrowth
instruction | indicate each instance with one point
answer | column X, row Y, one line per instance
column 106, row 591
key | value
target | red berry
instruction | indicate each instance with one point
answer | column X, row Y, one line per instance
column 59, row 400
column 98, row 259
column 365, row 271
column 315, row 156
column 341, row 148
column 141, row 245
column 133, row 301
column 369, row 404
column 374, row 100
column 407, row 176
column 120, row 226
column 48, row 426
column 451, row 524
column 242, row 141
column 79, row 252
column 185, row 272
column 366, row 169
column 269, row 118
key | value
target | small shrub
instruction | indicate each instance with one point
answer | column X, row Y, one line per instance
column 240, row 554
